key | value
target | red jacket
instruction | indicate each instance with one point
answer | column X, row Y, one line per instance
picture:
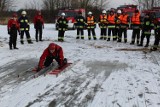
column 13, row 23
column 38, row 21
column 58, row 53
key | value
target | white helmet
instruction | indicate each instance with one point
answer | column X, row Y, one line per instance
column 119, row 11
column 104, row 12
column 24, row 13
column 63, row 14
column 89, row 13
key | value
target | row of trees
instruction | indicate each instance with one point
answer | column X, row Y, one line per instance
column 147, row 4
column 87, row 4
column 50, row 7
column 6, row 5
column 56, row 4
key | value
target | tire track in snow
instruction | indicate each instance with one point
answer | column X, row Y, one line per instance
column 80, row 88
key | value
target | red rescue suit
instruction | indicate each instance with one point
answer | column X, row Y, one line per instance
column 57, row 55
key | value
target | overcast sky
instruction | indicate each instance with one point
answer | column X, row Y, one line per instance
column 116, row 3
column 113, row 3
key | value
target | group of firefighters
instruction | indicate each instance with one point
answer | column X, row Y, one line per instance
column 21, row 26
column 116, row 23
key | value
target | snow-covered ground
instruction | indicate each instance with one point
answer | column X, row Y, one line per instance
column 100, row 76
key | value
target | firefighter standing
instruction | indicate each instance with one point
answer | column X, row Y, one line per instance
column 117, row 29
column 136, row 26
column 80, row 24
column 38, row 25
column 91, row 25
column 13, row 28
column 24, row 27
column 157, row 36
column 103, row 25
column 111, row 26
column 146, row 30
column 62, row 27
column 124, row 20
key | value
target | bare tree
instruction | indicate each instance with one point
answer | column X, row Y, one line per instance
column 6, row 5
column 35, row 5
column 73, row 3
column 147, row 4
column 50, row 4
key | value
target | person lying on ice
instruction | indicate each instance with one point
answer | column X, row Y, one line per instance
column 53, row 51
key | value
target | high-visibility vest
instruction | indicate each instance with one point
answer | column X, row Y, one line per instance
column 90, row 20
column 136, row 19
column 124, row 19
column 103, row 18
column 111, row 19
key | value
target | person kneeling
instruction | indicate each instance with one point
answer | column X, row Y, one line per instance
column 53, row 51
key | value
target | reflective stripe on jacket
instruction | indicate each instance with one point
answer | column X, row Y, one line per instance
column 90, row 20
column 103, row 19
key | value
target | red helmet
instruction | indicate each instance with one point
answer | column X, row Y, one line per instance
column 14, row 15
column 79, row 12
column 52, row 47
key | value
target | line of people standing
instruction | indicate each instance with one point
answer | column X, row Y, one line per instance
column 117, row 24
column 21, row 26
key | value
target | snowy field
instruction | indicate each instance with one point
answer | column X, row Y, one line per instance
column 100, row 76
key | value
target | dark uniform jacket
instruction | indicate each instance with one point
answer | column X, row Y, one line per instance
column 62, row 24
column 24, row 23
column 147, row 24
column 80, row 22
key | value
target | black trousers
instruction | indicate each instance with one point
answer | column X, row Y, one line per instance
column 147, row 37
column 135, row 34
column 121, row 32
column 113, row 33
column 103, row 32
column 27, row 35
column 39, row 32
column 93, row 33
column 157, row 38
column 61, row 34
column 13, row 39
column 80, row 31
column 49, row 60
